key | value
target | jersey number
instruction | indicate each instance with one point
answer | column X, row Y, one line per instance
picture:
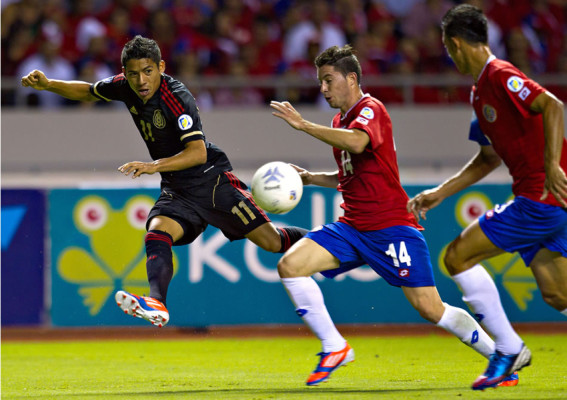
column 346, row 162
column 147, row 130
column 402, row 257
column 235, row 210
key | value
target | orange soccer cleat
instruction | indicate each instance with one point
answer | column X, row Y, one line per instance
column 330, row 362
column 144, row 307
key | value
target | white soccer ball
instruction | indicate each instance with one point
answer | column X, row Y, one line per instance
column 277, row 187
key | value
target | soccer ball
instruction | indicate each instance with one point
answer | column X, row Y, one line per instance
column 277, row 187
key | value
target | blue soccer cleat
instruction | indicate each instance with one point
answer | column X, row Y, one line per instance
column 148, row 308
column 330, row 362
column 501, row 366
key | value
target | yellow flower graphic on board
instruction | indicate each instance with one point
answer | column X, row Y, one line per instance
column 508, row 270
column 116, row 257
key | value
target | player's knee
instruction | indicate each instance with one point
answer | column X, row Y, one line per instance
column 286, row 269
column 555, row 299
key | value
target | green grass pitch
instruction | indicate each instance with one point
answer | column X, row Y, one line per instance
column 428, row 367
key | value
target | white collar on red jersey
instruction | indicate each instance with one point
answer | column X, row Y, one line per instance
column 355, row 104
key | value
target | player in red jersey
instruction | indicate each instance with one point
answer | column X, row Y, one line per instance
column 376, row 228
column 518, row 122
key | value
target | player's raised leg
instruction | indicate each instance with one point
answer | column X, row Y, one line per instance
column 163, row 232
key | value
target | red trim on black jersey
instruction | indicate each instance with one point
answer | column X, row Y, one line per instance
column 119, row 77
column 170, row 100
column 235, row 182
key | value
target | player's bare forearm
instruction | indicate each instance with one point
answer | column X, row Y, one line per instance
column 352, row 140
column 325, row 179
column 552, row 113
column 482, row 164
column 194, row 154
column 73, row 90
column 477, row 168
column 551, row 109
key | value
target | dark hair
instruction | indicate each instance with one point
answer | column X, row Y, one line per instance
column 342, row 58
column 467, row 22
column 140, row 47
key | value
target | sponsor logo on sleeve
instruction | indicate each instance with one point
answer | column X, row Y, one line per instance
column 515, row 84
column 363, row 121
column 367, row 113
column 524, row 93
column 185, row 122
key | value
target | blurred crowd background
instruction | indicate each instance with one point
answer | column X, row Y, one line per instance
column 248, row 50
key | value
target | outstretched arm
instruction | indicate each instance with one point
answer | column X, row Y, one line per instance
column 325, row 179
column 73, row 90
column 551, row 109
column 195, row 153
column 352, row 140
column 485, row 161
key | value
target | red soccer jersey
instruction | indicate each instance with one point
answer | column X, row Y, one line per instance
column 373, row 197
column 501, row 100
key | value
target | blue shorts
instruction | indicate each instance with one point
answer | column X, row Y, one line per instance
column 399, row 254
column 526, row 226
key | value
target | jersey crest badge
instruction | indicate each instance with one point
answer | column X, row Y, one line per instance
column 515, row 84
column 489, row 113
column 133, row 110
column 185, row 122
column 367, row 113
column 159, row 119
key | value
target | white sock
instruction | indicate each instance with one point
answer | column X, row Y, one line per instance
column 481, row 294
column 459, row 322
column 564, row 312
column 310, row 306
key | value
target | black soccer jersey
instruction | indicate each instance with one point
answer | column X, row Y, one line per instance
column 168, row 121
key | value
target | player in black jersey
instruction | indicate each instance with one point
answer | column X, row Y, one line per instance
column 197, row 187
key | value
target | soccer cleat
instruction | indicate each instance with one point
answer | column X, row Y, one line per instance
column 510, row 380
column 330, row 362
column 501, row 366
column 144, row 307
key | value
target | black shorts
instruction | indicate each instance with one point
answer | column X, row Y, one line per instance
column 224, row 203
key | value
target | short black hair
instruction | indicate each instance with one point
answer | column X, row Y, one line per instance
column 467, row 22
column 342, row 58
column 140, row 47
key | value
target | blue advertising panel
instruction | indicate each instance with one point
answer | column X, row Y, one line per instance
column 98, row 248
column 23, row 255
